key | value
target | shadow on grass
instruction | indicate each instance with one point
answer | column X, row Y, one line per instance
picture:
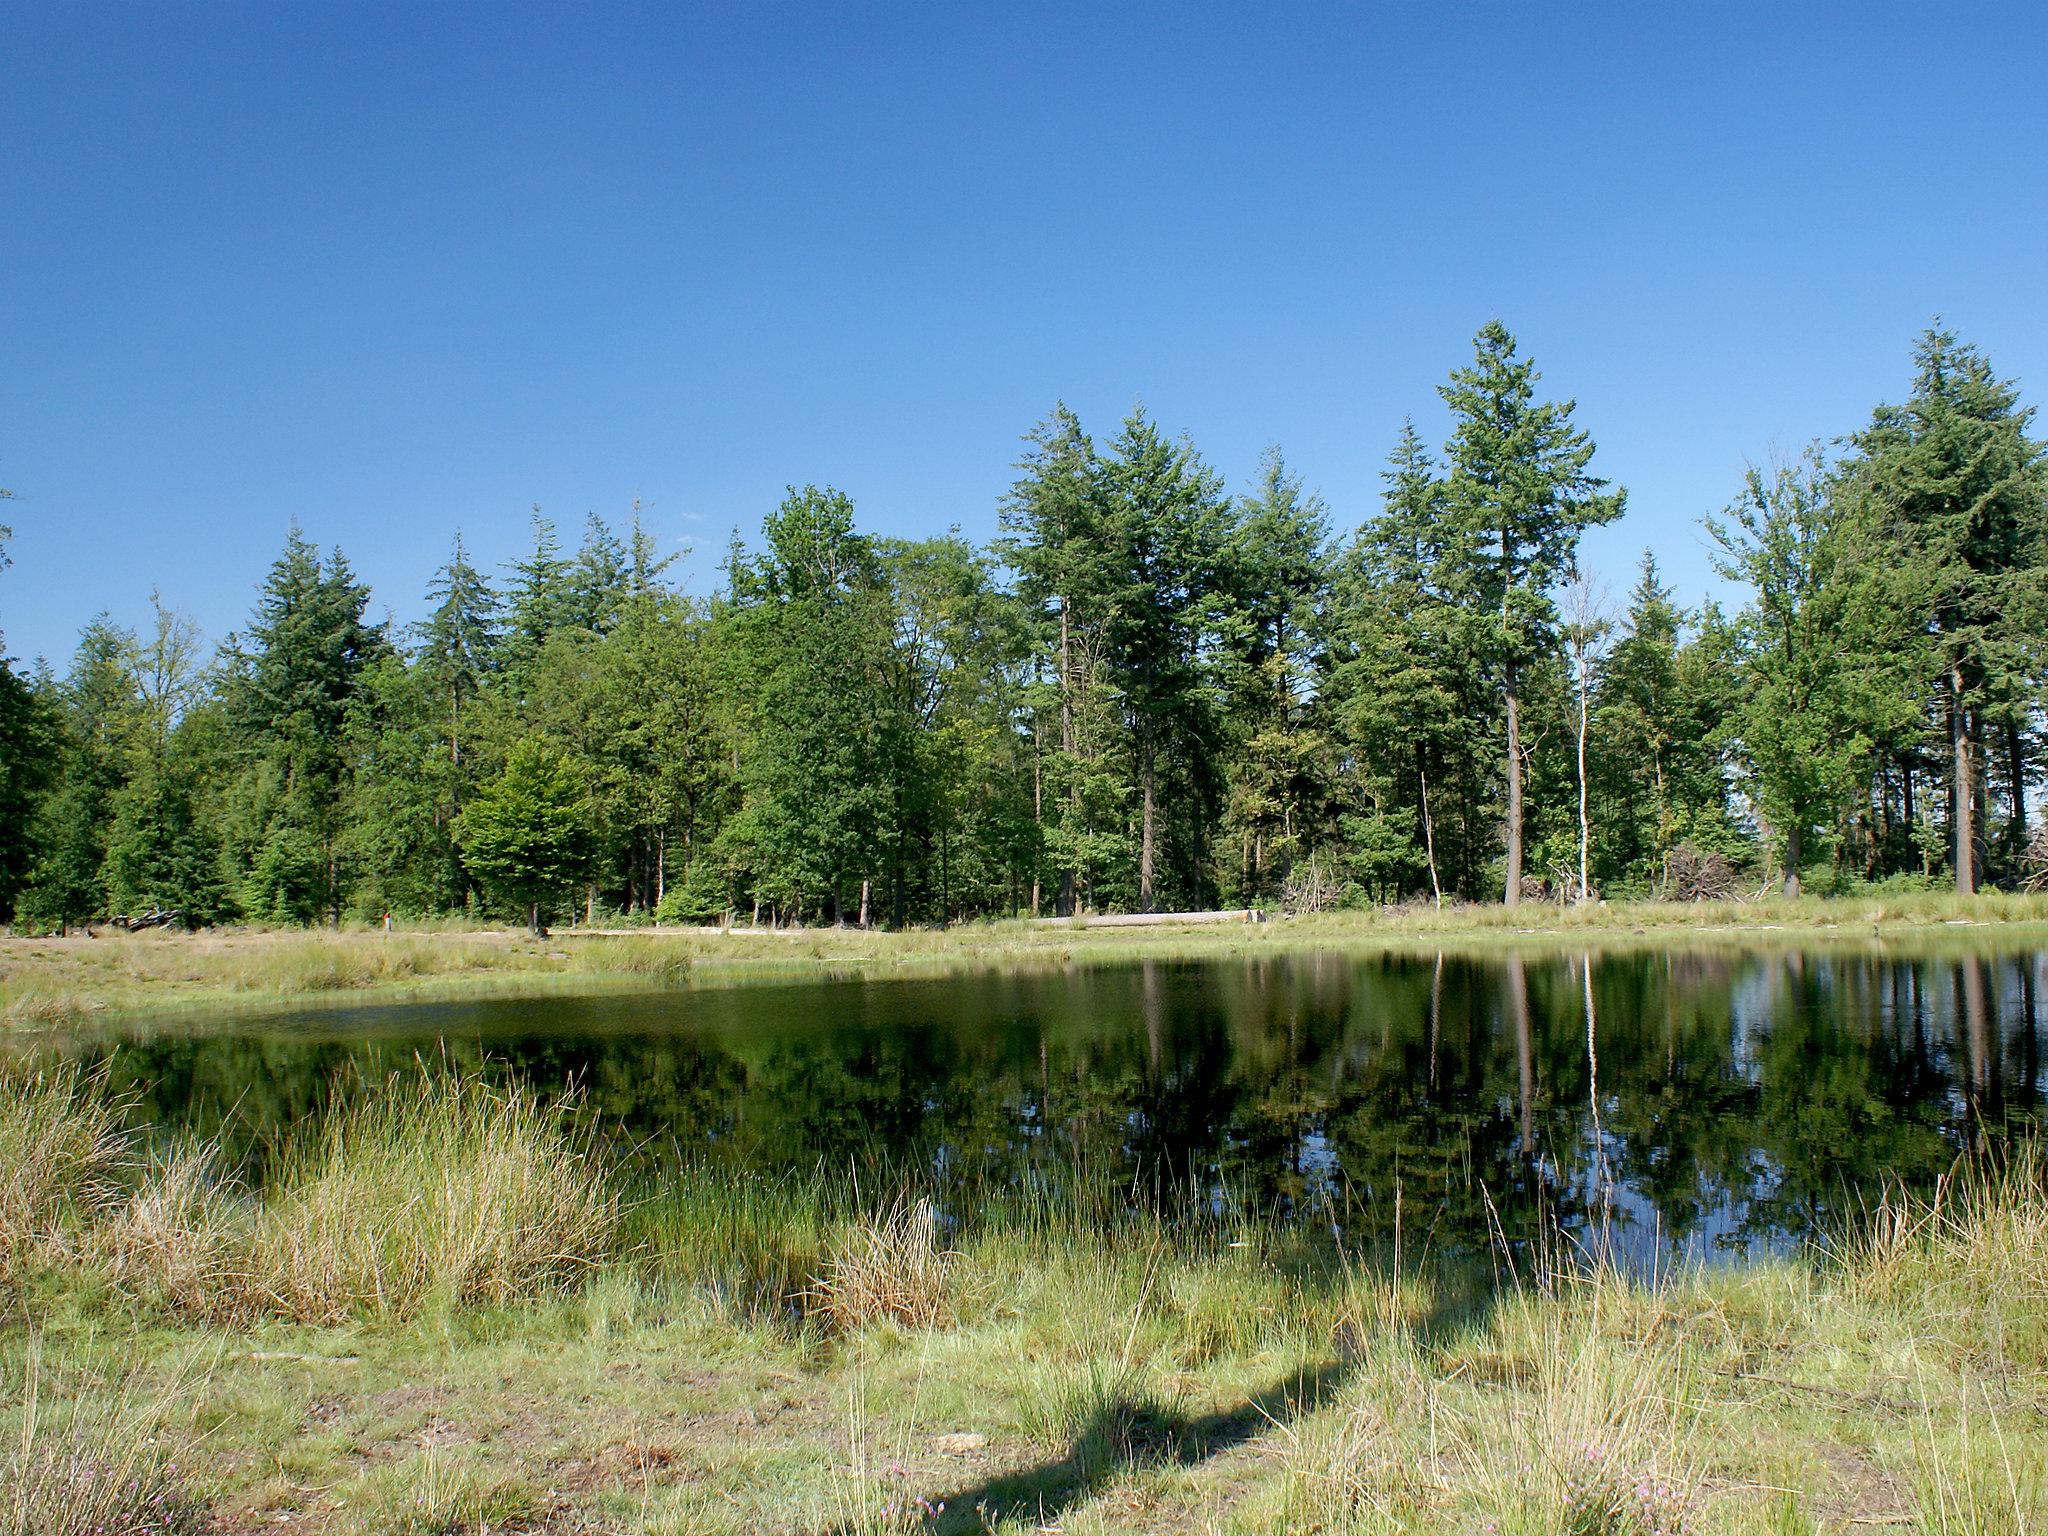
column 1127, row 1432
column 1118, row 1427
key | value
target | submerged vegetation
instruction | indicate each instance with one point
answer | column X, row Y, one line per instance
column 598, row 1349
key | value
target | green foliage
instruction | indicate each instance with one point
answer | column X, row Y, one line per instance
column 1146, row 692
column 524, row 835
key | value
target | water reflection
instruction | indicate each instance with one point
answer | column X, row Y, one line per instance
column 1696, row 1102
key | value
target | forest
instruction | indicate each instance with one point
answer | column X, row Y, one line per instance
column 1147, row 693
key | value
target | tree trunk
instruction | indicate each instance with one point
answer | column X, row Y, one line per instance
column 864, row 903
column 1513, row 895
column 2016, row 769
column 1067, row 750
column 1585, row 820
column 1037, row 809
column 1794, row 837
column 1962, row 787
column 1436, row 887
column 1145, row 837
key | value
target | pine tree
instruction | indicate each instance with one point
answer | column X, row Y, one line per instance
column 1520, row 494
column 600, row 580
column 1277, row 573
column 1168, row 525
column 1054, row 536
column 98, row 718
column 1961, row 489
column 291, row 678
column 460, row 640
column 538, row 600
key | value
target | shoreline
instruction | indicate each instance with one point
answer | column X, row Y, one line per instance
column 49, row 984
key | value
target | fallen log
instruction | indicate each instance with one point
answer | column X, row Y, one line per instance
column 1154, row 919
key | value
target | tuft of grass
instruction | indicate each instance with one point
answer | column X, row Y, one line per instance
column 891, row 1266
column 1106, row 1416
column 93, row 1465
column 430, row 1191
column 60, row 1148
column 1600, row 1438
column 749, row 1242
column 1969, row 1264
column 449, row 1190
column 186, row 1238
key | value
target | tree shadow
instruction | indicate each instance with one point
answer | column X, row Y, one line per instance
column 1127, row 1431
column 1124, row 1428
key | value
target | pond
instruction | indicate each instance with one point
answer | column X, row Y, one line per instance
column 1697, row 1103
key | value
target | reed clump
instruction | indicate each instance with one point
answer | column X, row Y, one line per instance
column 892, row 1265
column 61, row 1150
column 1969, row 1264
column 428, row 1191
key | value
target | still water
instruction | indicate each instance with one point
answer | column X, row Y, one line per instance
column 1695, row 1103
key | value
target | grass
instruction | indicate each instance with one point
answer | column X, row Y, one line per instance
column 429, row 1192
column 60, row 1147
column 47, row 983
column 102, row 1463
column 453, row 1317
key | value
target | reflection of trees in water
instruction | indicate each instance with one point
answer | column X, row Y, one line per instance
column 1740, row 1098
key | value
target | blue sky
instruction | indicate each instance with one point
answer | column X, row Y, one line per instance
column 392, row 270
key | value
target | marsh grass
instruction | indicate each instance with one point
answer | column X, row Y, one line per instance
column 1114, row 1357
column 890, row 1265
column 430, row 1191
column 61, row 1151
column 93, row 1463
column 1601, row 1441
column 1968, row 1264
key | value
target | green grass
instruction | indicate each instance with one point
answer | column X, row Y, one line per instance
column 502, row 1333
column 47, row 983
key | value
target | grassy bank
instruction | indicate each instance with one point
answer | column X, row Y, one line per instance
column 61, row 981
column 447, row 1313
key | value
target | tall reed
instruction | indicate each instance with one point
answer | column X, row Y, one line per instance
column 60, row 1151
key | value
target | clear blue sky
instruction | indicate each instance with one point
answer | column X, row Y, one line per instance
column 394, row 269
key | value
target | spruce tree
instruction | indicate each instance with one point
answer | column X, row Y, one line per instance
column 1960, row 488
column 1519, row 495
column 460, row 640
column 1168, row 525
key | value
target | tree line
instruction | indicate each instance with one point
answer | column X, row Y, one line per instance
column 1145, row 693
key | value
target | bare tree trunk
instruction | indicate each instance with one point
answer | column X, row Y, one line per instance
column 1037, row 807
column 864, row 903
column 2016, row 769
column 1514, row 828
column 1067, row 748
column 1436, row 886
column 1145, row 837
column 1793, row 839
column 1962, row 787
column 1585, row 820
